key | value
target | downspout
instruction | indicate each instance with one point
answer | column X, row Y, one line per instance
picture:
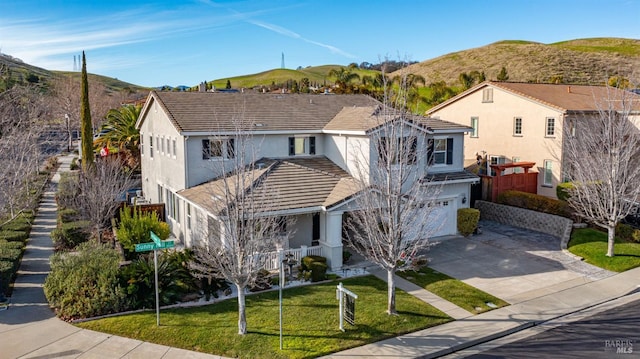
column 186, row 163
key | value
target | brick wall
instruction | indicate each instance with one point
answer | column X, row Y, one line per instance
column 519, row 217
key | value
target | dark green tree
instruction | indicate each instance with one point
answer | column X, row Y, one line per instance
column 503, row 75
column 85, row 119
column 228, row 86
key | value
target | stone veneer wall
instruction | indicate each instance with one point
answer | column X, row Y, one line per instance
column 519, row 217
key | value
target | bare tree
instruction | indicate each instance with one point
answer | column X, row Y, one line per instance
column 100, row 189
column 239, row 227
column 23, row 118
column 392, row 223
column 602, row 158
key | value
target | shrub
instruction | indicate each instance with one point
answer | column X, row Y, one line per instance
column 66, row 215
column 7, row 244
column 74, row 164
column 535, row 202
column 627, row 232
column 7, row 273
column 263, row 281
column 11, row 255
column 306, row 261
column 69, row 235
column 318, row 271
column 134, row 228
column 174, row 280
column 22, row 223
column 563, row 190
column 68, row 189
column 13, row 236
column 468, row 220
column 86, row 283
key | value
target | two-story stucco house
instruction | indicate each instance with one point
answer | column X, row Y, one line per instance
column 514, row 122
column 308, row 149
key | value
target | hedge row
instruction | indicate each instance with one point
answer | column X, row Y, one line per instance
column 535, row 202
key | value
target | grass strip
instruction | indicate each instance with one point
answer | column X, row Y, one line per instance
column 591, row 244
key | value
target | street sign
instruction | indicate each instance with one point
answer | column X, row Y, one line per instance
column 166, row 244
column 145, row 247
column 155, row 238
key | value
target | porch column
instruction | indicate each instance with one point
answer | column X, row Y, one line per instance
column 332, row 240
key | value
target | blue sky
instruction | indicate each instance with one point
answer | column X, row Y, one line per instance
column 153, row 43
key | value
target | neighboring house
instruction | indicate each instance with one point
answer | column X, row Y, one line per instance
column 308, row 146
column 514, row 122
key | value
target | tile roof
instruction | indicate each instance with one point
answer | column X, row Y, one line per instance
column 295, row 183
column 568, row 97
column 213, row 112
column 365, row 118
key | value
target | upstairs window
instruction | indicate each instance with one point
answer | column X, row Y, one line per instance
column 550, row 127
column 474, row 127
column 302, row 146
column 487, row 95
column 440, row 151
column 517, row 126
column 218, row 148
column 151, row 146
column 402, row 150
column 142, row 144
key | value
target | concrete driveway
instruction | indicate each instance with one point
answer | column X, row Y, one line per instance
column 511, row 263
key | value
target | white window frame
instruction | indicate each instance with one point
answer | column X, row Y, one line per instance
column 550, row 124
column 487, row 95
column 141, row 144
column 436, row 151
column 516, row 159
column 224, row 150
column 175, row 148
column 495, row 160
column 517, row 126
column 475, row 123
column 547, row 171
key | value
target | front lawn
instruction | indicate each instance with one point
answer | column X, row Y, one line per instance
column 455, row 291
column 591, row 245
column 310, row 316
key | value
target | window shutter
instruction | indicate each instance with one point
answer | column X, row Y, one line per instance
column 231, row 149
column 413, row 141
column 312, row 145
column 292, row 146
column 449, row 151
column 206, row 149
column 382, row 151
column 430, row 152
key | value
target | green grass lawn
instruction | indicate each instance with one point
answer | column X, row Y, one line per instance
column 453, row 290
column 591, row 245
column 310, row 316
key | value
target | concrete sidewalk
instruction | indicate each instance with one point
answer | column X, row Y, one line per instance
column 29, row 329
column 464, row 333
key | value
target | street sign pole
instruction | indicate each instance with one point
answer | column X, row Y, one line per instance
column 155, row 264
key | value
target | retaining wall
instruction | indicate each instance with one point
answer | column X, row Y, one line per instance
column 519, row 217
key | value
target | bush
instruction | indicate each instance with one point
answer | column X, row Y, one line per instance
column 306, row 261
column 74, row 164
column 11, row 255
column 69, row 235
column 563, row 190
column 627, row 233
column 535, row 202
column 318, row 271
column 22, row 223
column 6, row 276
column 85, row 284
column 13, row 236
column 134, row 228
column 66, row 215
column 468, row 220
column 68, row 189
column 263, row 281
column 7, row 244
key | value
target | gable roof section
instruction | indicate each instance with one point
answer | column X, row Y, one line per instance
column 215, row 112
column 296, row 183
column 563, row 97
column 367, row 118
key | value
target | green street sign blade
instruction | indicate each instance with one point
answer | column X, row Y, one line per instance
column 145, row 247
column 155, row 238
column 167, row 244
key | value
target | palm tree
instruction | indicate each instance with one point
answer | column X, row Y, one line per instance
column 343, row 77
column 120, row 135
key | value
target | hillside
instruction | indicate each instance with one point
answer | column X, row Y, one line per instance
column 582, row 61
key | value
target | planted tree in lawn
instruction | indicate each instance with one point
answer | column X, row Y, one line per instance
column 391, row 222
column 237, row 230
column 602, row 158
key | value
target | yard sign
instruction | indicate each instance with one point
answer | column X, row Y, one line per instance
column 347, row 307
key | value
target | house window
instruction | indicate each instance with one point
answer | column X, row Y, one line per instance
column 572, row 128
column 302, row 146
column 403, row 150
column 547, row 179
column 174, row 147
column 517, row 126
column 550, row 127
column 487, row 95
column 440, row 151
column 168, row 147
column 158, row 144
column 188, row 216
column 495, row 160
column 151, row 146
column 474, row 127
column 218, row 148
column 162, row 145
column 141, row 145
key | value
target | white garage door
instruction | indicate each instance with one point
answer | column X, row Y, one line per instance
column 443, row 218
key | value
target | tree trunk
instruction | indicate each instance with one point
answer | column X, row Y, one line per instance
column 611, row 236
column 242, row 318
column 391, row 292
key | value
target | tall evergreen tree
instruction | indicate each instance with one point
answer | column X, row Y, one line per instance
column 85, row 120
column 503, row 75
